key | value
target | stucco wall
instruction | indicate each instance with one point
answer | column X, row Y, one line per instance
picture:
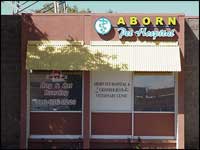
column 10, row 81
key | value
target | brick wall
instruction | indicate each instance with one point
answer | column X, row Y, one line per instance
column 10, row 80
column 192, row 83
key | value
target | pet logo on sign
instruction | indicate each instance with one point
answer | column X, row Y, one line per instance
column 102, row 25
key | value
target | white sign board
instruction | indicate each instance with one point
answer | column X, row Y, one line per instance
column 111, row 91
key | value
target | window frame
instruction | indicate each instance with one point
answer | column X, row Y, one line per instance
column 47, row 136
column 94, row 136
column 175, row 112
column 133, row 112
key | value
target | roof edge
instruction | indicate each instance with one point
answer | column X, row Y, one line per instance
column 109, row 14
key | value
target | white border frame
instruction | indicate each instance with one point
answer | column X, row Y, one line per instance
column 55, row 111
column 42, row 136
column 176, row 110
column 132, row 103
column 155, row 137
column 90, row 111
column 111, row 111
column 124, row 137
column 49, row 136
column 28, row 108
column 82, row 118
column 111, row 136
column 152, row 112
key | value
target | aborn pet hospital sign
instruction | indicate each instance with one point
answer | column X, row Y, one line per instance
column 103, row 26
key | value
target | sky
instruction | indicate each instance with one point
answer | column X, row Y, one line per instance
column 149, row 81
column 189, row 8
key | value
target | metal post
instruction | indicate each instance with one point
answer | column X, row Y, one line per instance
column 18, row 6
column 54, row 4
column 58, row 11
column 64, row 8
column 13, row 7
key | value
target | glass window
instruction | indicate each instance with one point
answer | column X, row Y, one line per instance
column 55, row 91
column 154, row 92
column 111, row 91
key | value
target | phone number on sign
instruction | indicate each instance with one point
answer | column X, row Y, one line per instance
column 54, row 101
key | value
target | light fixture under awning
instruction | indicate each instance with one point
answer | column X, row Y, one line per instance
column 62, row 55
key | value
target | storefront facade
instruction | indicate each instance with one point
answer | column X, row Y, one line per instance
column 102, row 80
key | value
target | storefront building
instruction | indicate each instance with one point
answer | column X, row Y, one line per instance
column 102, row 81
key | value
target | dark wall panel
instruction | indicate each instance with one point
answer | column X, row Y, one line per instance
column 55, row 123
column 153, row 124
column 192, row 83
column 111, row 124
column 10, row 81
